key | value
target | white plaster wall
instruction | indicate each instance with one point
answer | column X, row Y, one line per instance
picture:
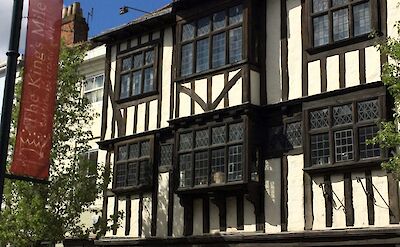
column 113, row 66
column 255, row 87
column 274, row 81
column 235, row 94
column 134, row 232
column 111, row 169
column 314, row 77
column 198, row 217
column 144, row 39
column 318, row 204
column 177, row 229
column 393, row 9
column 162, row 206
column 155, row 35
column 359, row 200
column 141, row 118
column 217, row 85
column 381, row 195
column 231, row 214
column 153, row 113
column 130, row 115
column 332, row 73
column 201, row 91
column 146, row 213
column 184, row 105
column 294, row 48
column 134, row 42
column 339, row 216
column 272, row 195
column 166, row 77
column 372, row 64
column 214, row 218
column 249, row 216
column 296, row 193
column 110, row 211
column 123, row 46
column 122, row 222
column 352, row 69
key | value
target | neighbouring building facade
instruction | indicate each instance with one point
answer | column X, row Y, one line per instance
column 245, row 123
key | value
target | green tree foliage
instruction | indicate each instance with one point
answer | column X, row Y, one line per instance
column 389, row 137
column 35, row 212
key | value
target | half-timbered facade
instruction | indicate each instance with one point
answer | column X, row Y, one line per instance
column 246, row 122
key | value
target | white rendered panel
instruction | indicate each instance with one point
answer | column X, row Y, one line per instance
column 217, row 84
column 177, row 229
column 134, row 232
column 231, row 214
column 235, row 94
column 134, row 42
column 272, row 196
column 166, row 77
column 122, row 221
column 198, row 217
column 153, row 113
column 110, row 211
column 274, row 80
column 294, row 49
column 339, row 216
column 318, row 203
column 332, row 73
column 144, row 39
column 130, row 115
column 162, row 206
column 141, row 118
column 314, row 77
column 201, row 91
column 184, row 105
column 372, row 64
column 295, row 193
column 352, row 69
column 359, row 200
column 146, row 213
column 249, row 216
column 123, row 46
column 113, row 67
column 155, row 35
column 381, row 195
column 393, row 10
column 214, row 218
column 255, row 87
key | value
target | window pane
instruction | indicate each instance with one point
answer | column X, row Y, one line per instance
column 362, row 19
column 203, row 26
column 89, row 84
column 138, row 61
column 340, row 24
column 120, row 175
column 201, row 168
column 235, row 14
column 166, row 155
column 145, row 174
column 218, row 135
column 339, row 2
column 219, row 20
column 149, row 57
column 185, row 141
column 202, row 138
column 368, row 110
column 122, row 153
column 125, row 84
column 293, row 134
column 235, row 45
column 99, row 81
column 137, row 83
column 321, row 31
column 126, row 63
column 236, row 132
column 368, row 150
column 133, row 151
column 218, row 50
column 218, row 166
column 187, row 59
column 202, row 56
column 319, row 119
column 320, row 149
column 148, row 80
column 132, row 174
column 235, row 169
column 344, row 145
column 144, row 149
column 320, row 5
column 188, row 31
column 342, row 114
column 185, row 170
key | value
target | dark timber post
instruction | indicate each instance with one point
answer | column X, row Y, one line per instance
column 9, row 89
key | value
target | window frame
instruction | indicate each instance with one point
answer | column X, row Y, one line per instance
column 93, row 77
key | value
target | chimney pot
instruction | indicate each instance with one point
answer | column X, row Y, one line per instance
column 69, row 10
column 64, row 12
column 75, row 8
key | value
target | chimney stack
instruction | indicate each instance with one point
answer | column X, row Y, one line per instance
column 74, row 28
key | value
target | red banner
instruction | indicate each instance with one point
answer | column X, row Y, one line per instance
column 35, row 124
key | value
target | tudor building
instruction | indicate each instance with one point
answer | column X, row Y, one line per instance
column 246, row 122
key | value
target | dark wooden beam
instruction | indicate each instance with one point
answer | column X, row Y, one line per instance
column 348, row 199
column 393, row 189
column 328, row 200
column 284, row 194
column 370, row 197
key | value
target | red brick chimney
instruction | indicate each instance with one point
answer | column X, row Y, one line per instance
column 74, row 28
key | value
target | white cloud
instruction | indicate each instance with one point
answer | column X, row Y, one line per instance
column 5, row 26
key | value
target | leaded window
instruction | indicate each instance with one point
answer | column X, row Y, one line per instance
column 212, row 41
column 336, row 20
column 368, row 150
column 320, row 149
column 294, row 134
column 368, row 110
column 319, row 119
column 166, row 151
column 137, row 74
column 344, row 145
column 215, row 159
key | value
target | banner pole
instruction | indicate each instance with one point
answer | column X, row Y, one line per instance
column 9, row 90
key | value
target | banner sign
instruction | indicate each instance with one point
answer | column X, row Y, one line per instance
column 35, row 124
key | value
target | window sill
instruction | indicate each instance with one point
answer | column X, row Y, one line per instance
column 132, row 189
column 343, row 167
column 136, row 97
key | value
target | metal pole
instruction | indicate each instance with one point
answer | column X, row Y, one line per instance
column 9, row 90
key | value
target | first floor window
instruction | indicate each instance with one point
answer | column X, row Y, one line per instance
column 93, row 88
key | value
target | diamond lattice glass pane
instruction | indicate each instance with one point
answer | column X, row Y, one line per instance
column 138, row 61
column 236, row 132
column 235, row 14
column 149, row 57
column 368, row 150
column 342, row 114
column 321, row 30
column 133, row 151
column 185, row 141
column 362, row 19
column 319, row 119
column 344, row 145
column 203, row 26
column 144, row 149
column 145, row 174
column 166, row 155
column 235, row 168
column 125, row 84
column 339, row 2
column 218, row 135
column 293, row 134
column 368, row 110
column 340, row 24
column 201, row 168
column 126, row 63
column 185, row 170
column 219, row 20
column 122, row 153
column 320, row 5
column 137, row 82
column 218, row 166
column 120, row 175
column 235, row 45
column 202, row 55
column 132, row 174
column 218, row 50
column 187, row 59
column 188, row 31
column 202, row 138
column 320, row 149
column 148, row 80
